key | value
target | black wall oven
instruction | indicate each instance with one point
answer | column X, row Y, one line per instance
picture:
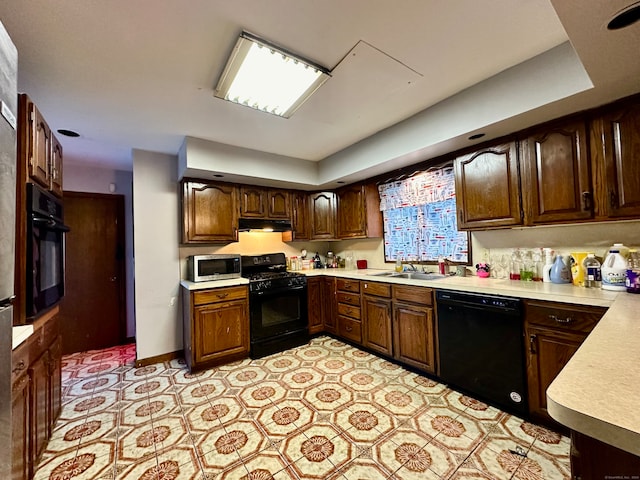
column 45, row 250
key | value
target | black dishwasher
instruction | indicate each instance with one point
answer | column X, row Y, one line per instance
column 482, row 348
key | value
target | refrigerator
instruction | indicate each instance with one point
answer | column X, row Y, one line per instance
column 9, row 113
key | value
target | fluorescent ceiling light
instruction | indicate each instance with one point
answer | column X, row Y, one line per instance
column 265, row 77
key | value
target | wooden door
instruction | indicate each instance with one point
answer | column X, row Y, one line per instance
column 413, row 333
column 376, row 322
column 351, row 212
column 488, row 188
column 209, row 213
column 39, row 396
column 220, row 330
column 615, row 143
column 323, row 215
column 20, row 429
column 279, row 203
column 92, row 312
column 329, row 304
column 252, row 202
column 55, row 381
column 56, row 167
column 314, row 304
column 40, row 153
column 300, row 217
column 556, row 184
column 549, row 351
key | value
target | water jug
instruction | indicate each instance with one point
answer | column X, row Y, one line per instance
column 559, row 271
column 614, row 272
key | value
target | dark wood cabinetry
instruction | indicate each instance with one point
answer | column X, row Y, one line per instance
column 314, row 305
column 556, row 182
column 300, row 228
column 488, row 188
column 553, row 331
column 258, row 202
column 349, row 314
column 592, row 459
column 615, row 150
column 215, row 325
column 38, row 147
column 376, row 317
column 209, row 212
column 414, row 327
column 322, row 215
column 36, row 394
column 358, row 211
column 329, row 304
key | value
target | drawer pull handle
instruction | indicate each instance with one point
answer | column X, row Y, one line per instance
column 227, row 330
column 348, row 311
column 222, row 295
column 19, row 367
column 561, row 320
column 348, row 328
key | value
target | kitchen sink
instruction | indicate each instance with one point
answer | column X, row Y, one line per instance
column 410, row 275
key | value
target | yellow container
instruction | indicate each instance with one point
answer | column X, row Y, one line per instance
column 577, row 269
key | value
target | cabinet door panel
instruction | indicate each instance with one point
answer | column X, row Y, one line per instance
column 351, row 211
column 487, row 188
column 314, row 304
column 323, row 215
column 39, row 396
column 55, row 378
column 549, row 352
column 221, row 330
column 377, row 324
column 556, row 174
column 210, row 213
column 329, row 304
column 252, row 202
column 279, row 202
column 413, row 331
column 56, row 167
column 616, row 141
column 300, row 217
column 20, row 429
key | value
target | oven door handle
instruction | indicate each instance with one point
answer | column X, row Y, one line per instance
column 49, row 223
column 280, row 290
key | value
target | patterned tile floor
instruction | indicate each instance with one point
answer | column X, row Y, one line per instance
column 322, row 411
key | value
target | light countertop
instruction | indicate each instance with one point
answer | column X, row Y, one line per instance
column 20, row 334
column 597, row 392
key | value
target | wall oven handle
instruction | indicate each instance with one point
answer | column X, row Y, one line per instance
column 280, row 290
column 49, row 223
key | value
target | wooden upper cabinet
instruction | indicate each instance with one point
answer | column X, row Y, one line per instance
column 40, row 157
column 556, row 183
column 257, row 202
column 358, row 211
column 615, row 150
column 210, row 212
column 487, row 188
column 322, row 210
column 299, row 218
column 252, row 202
column 56, row 167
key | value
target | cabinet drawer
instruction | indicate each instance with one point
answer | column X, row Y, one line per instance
column 203, row 297
column 350, row 329
column 577, row 318
column 19, row 360
column 349, row 311
column 348, row 285
column 376, row 288
column 349, row 298
column 419, row 295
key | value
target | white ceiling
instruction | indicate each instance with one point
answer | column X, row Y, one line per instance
column 141, row 74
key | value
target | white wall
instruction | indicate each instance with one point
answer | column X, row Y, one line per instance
column 157, row 266
column 92, row 179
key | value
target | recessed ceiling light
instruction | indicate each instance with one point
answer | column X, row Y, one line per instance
column 476, row 136
column 625, row 17
column 261, row 75
column 68, row 133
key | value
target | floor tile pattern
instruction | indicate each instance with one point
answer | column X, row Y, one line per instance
column 325, row 410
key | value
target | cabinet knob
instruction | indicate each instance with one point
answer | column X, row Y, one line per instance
column 532, row 341
column 222, row 295
column 586, row 201
column 348, row 328
column 460, row 216
column 19, row 367
column 613, row 200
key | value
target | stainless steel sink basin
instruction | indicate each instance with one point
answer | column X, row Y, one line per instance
column 410, row 275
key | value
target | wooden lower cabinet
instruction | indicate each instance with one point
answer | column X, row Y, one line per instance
column 215, row 325
column 314, row 305
column 348, row 310
column 36, row 394
column 329, row 305
column 592, row 459
column 376, row 317
column 413, row 327
column 553, row 332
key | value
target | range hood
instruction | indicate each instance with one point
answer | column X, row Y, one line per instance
column 263, row 225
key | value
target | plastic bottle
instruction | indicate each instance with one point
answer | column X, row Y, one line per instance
column 559, row 271
column 548, row 263
column 399, row 266
column 622, row 250
column 593, row 275
column 633, row 272
column 614, row 272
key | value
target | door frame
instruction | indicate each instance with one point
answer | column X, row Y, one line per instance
column 120, row 258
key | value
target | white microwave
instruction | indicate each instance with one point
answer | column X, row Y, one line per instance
column 204, row 268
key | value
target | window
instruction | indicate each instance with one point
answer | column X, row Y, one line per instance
column 419, row 214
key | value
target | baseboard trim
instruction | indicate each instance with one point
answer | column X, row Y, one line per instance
column 165, row 357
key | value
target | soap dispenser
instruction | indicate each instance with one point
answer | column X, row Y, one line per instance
column 559, row 271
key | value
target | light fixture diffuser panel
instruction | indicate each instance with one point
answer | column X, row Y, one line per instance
column 266, row 78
